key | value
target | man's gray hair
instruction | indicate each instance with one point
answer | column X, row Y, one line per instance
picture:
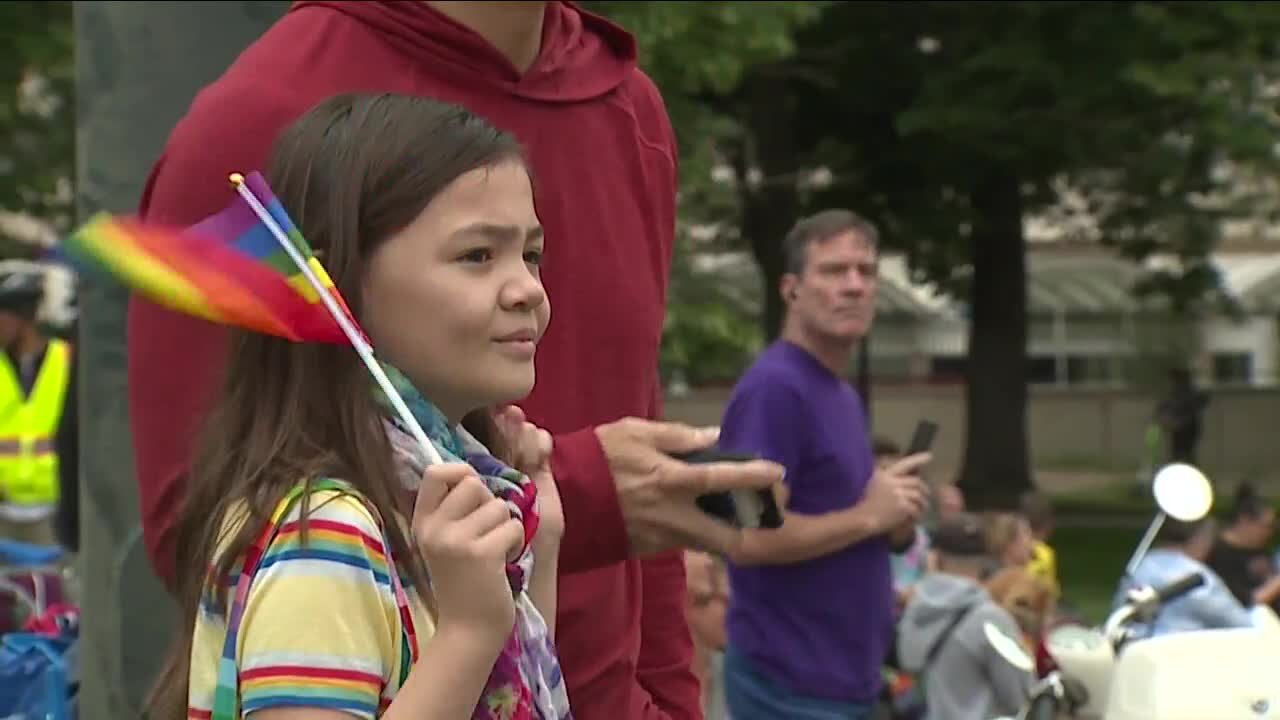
column 822, row 226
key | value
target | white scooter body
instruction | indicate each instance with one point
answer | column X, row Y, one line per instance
column 1211, row 674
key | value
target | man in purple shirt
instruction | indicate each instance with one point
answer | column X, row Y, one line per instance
column 811, row 617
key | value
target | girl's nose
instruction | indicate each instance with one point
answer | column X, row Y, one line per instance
column 524, row 292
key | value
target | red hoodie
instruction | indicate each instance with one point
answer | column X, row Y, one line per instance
column 604, row 161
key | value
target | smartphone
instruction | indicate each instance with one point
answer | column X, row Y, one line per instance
column 922, row 438
column 741, row 508
column 922, row 441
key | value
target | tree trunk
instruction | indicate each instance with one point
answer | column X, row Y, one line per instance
column 138, row 65
column 997, row 467
column 768, row 211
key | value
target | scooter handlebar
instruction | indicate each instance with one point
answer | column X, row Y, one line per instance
column 1143, row 602
column 1180, row 587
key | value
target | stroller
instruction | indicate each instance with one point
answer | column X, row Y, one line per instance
column 39, row 634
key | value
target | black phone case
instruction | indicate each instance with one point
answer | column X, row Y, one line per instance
column 922, row 438
column 734, row 507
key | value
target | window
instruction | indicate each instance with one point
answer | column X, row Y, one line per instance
column 1090, row 369
column 947, row 368
column 1232, row 368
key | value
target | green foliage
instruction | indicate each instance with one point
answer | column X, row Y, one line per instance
column 1132, row 104
column 947, row 122
column 953, row 120
column 37, row 119
column 916, row 106
column 697, row 52
column 709, row 336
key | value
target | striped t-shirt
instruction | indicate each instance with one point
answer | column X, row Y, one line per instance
column 321, row 627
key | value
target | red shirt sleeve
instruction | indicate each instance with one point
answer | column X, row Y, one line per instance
column 175, row 361
column 594, row 533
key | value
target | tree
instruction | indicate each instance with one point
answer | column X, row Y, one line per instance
column 948, row 123
column 697, row 54
column 37, row 119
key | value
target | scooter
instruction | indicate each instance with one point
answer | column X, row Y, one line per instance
column 1104, row 674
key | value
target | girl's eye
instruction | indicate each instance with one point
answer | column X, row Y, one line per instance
column 533, row 257
column 477, row 255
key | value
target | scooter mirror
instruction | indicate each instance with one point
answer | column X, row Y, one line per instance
column 1183, row 492
column 1008, row 648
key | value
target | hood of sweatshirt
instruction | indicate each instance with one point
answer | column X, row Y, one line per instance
column 937, row 601
column 582, row 56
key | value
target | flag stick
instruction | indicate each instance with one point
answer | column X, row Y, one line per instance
column 362, row 347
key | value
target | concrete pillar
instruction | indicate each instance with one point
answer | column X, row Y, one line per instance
column 138, row 65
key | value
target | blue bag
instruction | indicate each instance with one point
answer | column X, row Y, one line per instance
column 38, row 676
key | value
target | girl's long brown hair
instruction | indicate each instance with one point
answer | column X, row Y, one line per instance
column 353, row 171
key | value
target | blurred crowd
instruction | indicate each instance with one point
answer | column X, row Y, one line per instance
column 1014, row 557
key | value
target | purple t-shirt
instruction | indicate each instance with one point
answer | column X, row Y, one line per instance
column 821, row 628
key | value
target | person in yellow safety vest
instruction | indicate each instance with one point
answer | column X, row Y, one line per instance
column 35, row 373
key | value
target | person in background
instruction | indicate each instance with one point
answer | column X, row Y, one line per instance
column 1009, row 539
column 1240, row 553
column 1037, row 508
column 812, row 609
column 599, row 142
column 949, row 500
column 942, row 635
column 900, row 695
column 58, row 319
column 909, row 561
column 708, row 601
column 1027, row 598
column 67, row 444
column 886, row 451
column 35, row 379
column 1181, row 549
column 1180, row 415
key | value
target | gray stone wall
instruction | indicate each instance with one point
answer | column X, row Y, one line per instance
column 138, row 65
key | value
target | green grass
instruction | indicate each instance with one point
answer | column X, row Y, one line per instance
column 1090, row 561
column 1115, row 499
column 1098, row 530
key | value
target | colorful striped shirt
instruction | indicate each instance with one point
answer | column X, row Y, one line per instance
column 321, row 628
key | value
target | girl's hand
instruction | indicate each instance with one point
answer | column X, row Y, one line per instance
column 531, row 454
column 466, row 536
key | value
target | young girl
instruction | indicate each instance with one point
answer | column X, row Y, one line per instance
column 326, row 571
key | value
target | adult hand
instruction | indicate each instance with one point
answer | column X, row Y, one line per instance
column 896, row 495
column 530, row 448
column 657, row 492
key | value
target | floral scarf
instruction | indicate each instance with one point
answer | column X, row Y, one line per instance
column 526, row 682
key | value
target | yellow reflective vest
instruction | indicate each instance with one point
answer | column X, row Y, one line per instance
column 28, row 425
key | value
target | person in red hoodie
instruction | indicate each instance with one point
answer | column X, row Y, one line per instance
column 604, row 163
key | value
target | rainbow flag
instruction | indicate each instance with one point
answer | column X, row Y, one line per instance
column 228, row 269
